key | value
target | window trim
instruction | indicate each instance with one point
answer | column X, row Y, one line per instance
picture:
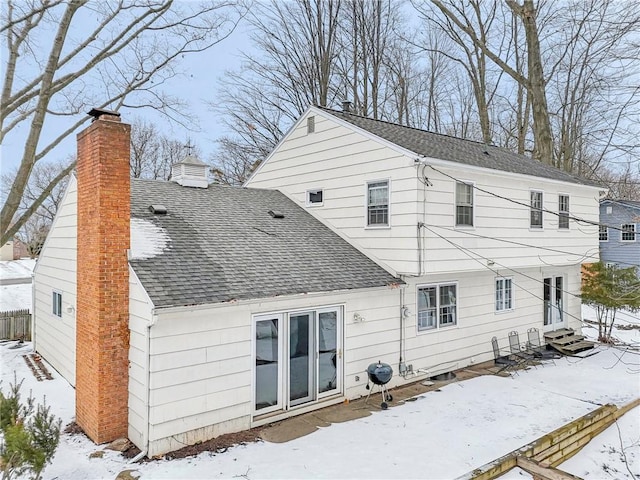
column 438, row 325
column 307, row 200
column 540, row 227
column 564, row 213
column 56, row 301
column 473, row 205
column 512, row 296
column 377, row 226
column 606, row 233
column 632, row 231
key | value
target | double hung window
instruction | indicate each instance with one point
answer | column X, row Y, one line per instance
column 628, row 232
column 603, row 233
column 563, row 211
column 437, row 306
column 504, row 294
column 378, row 203
column 464, row 204
column 536, row 210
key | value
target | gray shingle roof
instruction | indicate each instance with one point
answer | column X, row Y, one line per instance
column 224, row 245
column 468, row 152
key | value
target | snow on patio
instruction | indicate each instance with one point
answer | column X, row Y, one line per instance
column 440, row 435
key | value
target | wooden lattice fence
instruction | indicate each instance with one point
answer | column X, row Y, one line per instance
column 15, row 324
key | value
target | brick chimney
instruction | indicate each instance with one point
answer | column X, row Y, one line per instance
column 102, row 325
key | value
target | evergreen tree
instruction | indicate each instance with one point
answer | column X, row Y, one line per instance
column 609, row 289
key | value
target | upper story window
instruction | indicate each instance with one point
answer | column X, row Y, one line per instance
column 437, row 306
column 378, row 203
column 536, row 210
column 628, row 232
column 464, row 204
column 563, row 211
column 311, row 124
column 315, row 197
column 504, row 294
column 603, row 233
column 57, row 304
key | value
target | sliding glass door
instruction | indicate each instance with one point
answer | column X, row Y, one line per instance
column 297, row 358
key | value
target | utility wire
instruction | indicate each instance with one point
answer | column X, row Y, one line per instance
column 541, row 209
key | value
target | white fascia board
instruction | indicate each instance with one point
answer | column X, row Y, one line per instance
column 137, row 280
column 502, row 173
column 279, row 298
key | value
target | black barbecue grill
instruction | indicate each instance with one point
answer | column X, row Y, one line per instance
column 380, row 374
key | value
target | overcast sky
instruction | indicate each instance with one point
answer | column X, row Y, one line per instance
column 201, row 85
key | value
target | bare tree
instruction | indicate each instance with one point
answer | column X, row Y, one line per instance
column 34, row 231
column 119, row 55
column 153, row 153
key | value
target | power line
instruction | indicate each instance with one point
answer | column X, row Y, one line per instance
column 541, row 209
column 521, row 244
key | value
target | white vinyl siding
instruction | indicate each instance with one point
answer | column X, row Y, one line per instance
column 464, row 204
column 342, row 160
column 55, row 271
column 536, row 218
column 202, row 374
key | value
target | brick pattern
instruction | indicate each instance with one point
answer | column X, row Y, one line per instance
column 102, row 319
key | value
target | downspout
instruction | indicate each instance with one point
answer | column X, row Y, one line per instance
column 147, row 432
column 33, row 310
column 401, row 365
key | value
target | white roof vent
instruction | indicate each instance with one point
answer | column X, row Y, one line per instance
column 190, row 172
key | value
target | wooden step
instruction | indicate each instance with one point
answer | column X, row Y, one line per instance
column 579, row 347
column 567, row 340
column 563, row 332
column 573, row 348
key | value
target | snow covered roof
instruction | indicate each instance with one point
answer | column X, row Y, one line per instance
column 221, row 244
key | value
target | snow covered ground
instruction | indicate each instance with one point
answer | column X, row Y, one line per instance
column 21, row 268
column 440, row 435
column 17, row 296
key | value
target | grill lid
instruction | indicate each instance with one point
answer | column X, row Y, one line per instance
column 379, row 373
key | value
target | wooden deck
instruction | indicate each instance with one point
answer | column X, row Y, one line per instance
column 567, row 342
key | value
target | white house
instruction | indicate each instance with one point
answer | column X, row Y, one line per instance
column 182, row 311
column 486, row 241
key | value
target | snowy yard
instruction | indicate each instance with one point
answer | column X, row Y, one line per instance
column 440, row 435
column 17, row 268
column 17, row 296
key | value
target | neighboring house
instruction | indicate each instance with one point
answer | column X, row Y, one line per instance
column 183, row 312
column 6, row 251
column 486, row 241
column 620, row 233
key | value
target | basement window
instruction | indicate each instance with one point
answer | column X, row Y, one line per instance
column 315, row 197
column 57, row 304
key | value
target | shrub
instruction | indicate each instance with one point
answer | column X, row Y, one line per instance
column 30, row 434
